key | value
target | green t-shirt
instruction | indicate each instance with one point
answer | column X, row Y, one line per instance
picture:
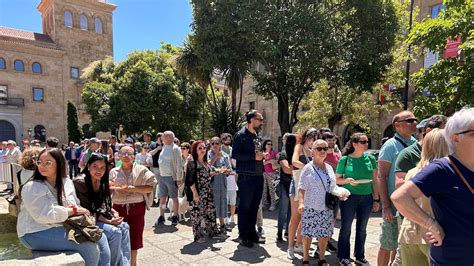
column 358, row 168
column 408, row 158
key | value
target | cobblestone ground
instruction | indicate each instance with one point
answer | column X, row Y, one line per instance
column 170, row 245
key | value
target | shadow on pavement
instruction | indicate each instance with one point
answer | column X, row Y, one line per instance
column 163, row 229
column 257, row 254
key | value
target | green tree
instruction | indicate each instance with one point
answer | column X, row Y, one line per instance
column 346, row 42
column 73, row 129
column 449, row 82
column 145, row 92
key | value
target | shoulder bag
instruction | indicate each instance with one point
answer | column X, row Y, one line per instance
column 330, row 199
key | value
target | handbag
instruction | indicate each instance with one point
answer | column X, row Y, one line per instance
column 330, row 200
column 82, row 228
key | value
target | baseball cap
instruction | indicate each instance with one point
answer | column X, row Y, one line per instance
column 422, row 124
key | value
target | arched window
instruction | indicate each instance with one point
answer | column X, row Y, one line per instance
column 36, row 68
column 67, row 19
column 2, row 63
column 40, row 133
column 83, row 22
column 98, row 25
column 19, row 66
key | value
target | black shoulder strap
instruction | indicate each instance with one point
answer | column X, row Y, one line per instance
column 345, row 165
column 401, row 142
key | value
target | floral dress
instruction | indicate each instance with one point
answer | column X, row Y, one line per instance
column 203, row 213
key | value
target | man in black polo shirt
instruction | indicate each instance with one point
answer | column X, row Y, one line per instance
column 247, row 152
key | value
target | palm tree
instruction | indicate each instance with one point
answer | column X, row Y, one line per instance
column 189, row 64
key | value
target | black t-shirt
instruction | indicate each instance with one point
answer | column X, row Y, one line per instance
column 283, row 176
column 155, row 157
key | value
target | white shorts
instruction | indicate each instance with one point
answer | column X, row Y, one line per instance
column 231, row 197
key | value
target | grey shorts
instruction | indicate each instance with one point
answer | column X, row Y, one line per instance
column 167, row 187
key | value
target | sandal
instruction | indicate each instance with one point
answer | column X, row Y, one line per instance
column 322, row 262
column 305, row 262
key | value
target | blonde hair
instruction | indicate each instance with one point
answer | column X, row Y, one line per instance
column 29, row 157
column 435, row 146
column 319, row 141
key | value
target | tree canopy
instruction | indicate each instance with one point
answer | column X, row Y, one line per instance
column 297, row 43
column 448, row 85
column 144, row 92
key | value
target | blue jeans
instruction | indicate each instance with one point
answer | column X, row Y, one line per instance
column 284, row 212
column 119, row 242
column 361, row 207
column 55, row 239
column 250, row 190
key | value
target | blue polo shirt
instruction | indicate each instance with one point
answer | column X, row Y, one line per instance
column 452, row 203
column 389, row 152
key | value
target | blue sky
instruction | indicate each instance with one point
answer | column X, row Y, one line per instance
column 138, row 24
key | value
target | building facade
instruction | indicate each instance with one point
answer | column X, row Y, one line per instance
column 40, row 72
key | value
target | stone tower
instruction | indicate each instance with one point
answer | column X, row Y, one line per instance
column 83, row 29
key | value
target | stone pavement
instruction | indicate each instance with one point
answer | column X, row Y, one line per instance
column 170, row 245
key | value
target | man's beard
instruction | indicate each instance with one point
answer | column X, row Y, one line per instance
column 257, row 128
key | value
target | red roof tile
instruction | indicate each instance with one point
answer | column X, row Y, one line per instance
column 29, row 37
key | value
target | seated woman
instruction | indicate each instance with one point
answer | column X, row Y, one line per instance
column 47, row 201
column 92, row 188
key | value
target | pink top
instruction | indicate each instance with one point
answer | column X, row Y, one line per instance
column 332, row 159
column 268, row 166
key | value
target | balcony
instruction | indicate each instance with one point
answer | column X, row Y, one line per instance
column 18, row 102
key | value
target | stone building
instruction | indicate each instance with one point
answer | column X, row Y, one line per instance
column 39, row 72
column 271, row 129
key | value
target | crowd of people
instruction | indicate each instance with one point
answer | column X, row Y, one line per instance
column 421, row 181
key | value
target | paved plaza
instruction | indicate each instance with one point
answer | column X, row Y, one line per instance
column 170, row 245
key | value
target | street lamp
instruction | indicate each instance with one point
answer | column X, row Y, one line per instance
column 407, row 68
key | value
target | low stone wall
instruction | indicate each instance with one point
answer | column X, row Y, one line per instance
column 48, row 258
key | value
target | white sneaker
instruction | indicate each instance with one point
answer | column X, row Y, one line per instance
column 290, row 253
column 298, row 249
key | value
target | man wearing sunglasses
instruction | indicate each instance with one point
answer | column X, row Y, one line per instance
column 250, row 176
column 404, row 124
column 409, row 157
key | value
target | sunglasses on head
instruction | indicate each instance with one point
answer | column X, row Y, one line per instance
column 409, row 120
column 321, row 148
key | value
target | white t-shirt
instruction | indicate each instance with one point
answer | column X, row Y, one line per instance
column 144, row 159
column 231, row 184
column 164, row 160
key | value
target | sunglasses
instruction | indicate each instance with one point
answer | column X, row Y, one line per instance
column 269, row 144
column 321, row 149
column 184, row 148
column 200, row 148
column 363, row 141
column 409, row 120
column 465, row 131
column 215, row 143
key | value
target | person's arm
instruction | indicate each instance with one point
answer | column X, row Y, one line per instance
column 301, row 200
column 287, row 169
column 296, row 157
column 399, row 179
column 383, row 172
column 404, row 200
column 341, row 171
